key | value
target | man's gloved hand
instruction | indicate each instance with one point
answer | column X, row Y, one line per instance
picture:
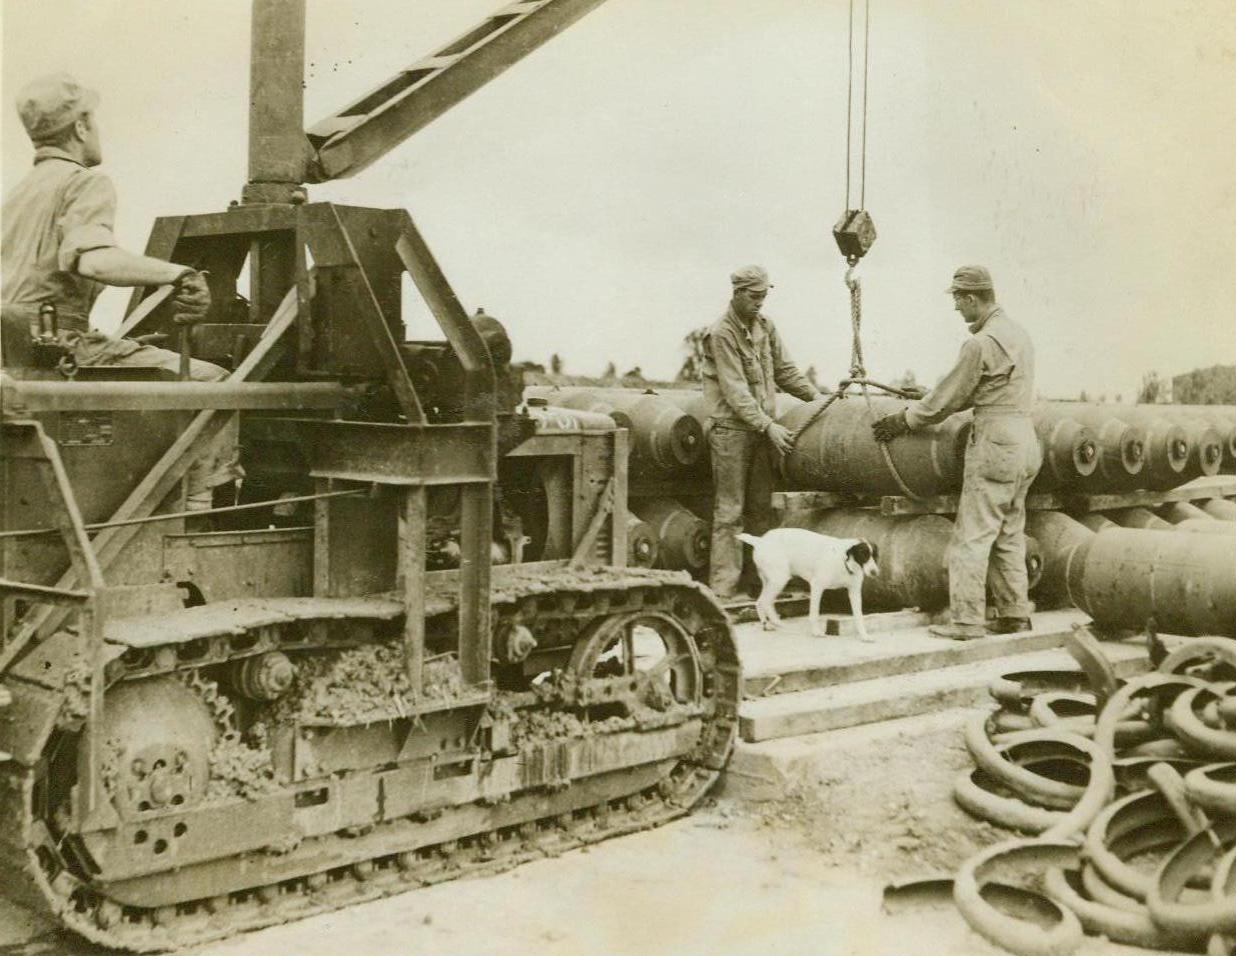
column 781, row 438
column 890, row 426
column 915, row 392
column 190, row 298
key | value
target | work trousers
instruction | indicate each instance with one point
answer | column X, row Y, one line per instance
column 220, row 463
column 742, row 476
column 988, row 546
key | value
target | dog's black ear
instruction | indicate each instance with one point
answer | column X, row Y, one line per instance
column 860, row 553
column 875, row 553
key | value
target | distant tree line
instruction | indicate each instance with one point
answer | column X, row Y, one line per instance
column 1206, row 386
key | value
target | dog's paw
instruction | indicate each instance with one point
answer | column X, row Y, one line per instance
column 769, row 625
column 866, row 638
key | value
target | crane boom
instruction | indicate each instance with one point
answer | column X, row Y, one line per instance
column 282, row 156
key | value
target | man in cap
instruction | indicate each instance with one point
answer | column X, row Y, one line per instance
column 744, row 365
column 995, row 375
column 57, row 249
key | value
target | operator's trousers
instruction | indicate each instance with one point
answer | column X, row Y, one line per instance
column 220, row 463
column 988, row 546
column 742, row 477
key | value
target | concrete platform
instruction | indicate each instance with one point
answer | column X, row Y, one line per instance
column 790, row 659
column 777, row 769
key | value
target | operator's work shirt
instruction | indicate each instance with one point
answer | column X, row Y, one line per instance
column 743, row 368
column 995, row 371
column 60, row 210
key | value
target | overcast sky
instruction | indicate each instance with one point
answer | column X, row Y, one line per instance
column 596, row 196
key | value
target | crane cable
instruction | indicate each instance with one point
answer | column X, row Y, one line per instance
column 849, row 109
column 855, row 233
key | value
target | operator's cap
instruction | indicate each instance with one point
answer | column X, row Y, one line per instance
column 750, row 277
column 970, row 279
column 50, row 103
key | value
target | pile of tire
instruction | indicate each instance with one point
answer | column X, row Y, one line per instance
column 1125, row 792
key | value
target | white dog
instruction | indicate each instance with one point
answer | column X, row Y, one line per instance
column 824, row 563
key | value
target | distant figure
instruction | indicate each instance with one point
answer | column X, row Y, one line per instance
column 995, row 375
column 744, row 365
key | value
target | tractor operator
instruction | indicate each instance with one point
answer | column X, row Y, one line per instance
column 58, row 250
column 744, row 365
column 995, row 375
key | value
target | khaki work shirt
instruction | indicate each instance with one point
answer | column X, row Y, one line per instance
column 743, row 369
column 58, row 211
column 994, row 371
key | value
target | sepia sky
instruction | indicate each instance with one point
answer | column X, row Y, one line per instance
column 596, row 196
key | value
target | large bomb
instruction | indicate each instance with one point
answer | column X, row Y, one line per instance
column 682, row 538
column 1221, row 418
column 1220, row 508
column 642, row 550
column 1058, row 535
column 1035, row 559
column 1070, row 455
column 1120, row 447
column 912, row 555
column 553, row 418
column 836, row 451
column 1142, row 518
column 1186, row 583
column 1167, row 447
column 664, row 440
column 1185, row 516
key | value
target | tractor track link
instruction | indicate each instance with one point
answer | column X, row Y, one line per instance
column 530, row 824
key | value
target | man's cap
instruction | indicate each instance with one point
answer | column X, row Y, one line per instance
column 750, row 277
column 970, row 279
column 50, row 103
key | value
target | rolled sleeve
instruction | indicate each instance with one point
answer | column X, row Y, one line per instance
column 733, row 381
column 88, row 219
column 954, row 392
column 786, row 373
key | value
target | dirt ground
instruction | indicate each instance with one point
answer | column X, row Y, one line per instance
column 800, row 875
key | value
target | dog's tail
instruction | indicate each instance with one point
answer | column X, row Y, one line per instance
column 749, row 538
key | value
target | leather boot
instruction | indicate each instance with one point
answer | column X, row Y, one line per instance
column 1008, row 625
column 957, row 632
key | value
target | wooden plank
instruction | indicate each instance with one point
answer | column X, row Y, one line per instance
column 806, row 676
column 787, row 500
column 1147, row 499
column 843, row 625
column 895, row 505
column 1073, row 502
column 871, row 701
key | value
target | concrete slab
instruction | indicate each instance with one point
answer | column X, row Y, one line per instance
column 776, row 769
column 892, row 696
column 790, row 659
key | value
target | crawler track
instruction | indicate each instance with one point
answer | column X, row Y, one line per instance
column 623, row 776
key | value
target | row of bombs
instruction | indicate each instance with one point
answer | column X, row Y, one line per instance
column 1175, row 565
column 1088, row 448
